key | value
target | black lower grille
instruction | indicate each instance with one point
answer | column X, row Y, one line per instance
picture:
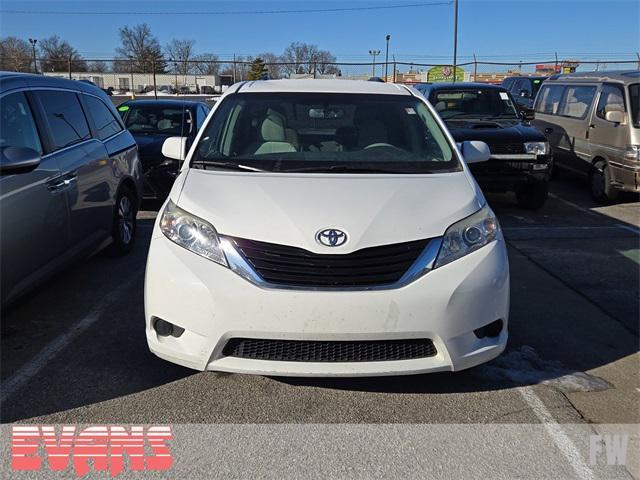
column 286, row 265
column 329, row 351
column 506, row 148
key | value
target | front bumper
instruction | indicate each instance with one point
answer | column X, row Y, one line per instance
column 214, row 304
column 505, row 172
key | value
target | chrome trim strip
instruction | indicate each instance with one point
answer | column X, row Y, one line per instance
column 514, row 156
column 239, row 264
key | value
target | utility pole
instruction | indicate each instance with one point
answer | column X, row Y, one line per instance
column 556, row 69
column 386, row 60
column 33, row 42
column 374, row 53
column 455, row 38
column 234, row 68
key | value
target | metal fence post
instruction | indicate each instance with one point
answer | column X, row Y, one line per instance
column 69, row 66
column 315, row 69
column 133, row 95
column 395, row 69
column 155, row 86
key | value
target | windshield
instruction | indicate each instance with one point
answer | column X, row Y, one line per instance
column 317, row 132
column 634, row 94
column 474, row 103
column 156, row 119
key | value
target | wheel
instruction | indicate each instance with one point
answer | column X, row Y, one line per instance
column 124, row 221
column 602, row 190
column 533, row 195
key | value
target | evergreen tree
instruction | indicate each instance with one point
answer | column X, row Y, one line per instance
column 257, row 70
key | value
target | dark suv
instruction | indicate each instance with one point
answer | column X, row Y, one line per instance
column 524, row 91
column 520, row 154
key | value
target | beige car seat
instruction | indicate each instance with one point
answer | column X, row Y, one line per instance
column 274, row 135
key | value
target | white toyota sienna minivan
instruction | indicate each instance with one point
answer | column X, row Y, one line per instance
column 326, row 227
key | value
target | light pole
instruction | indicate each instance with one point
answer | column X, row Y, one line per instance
column 33, row 42
column 386, row 60
column 374, row 53
column 455, row 38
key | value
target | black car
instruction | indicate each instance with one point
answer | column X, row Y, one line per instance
column 524, row 91
column 153, row 121
column 520, row 154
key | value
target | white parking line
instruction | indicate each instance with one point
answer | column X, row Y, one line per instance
column 32, row 367
column 562, row 441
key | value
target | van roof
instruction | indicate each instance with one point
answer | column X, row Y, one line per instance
column 13, row 80
column 624, row 76
column 322, row 86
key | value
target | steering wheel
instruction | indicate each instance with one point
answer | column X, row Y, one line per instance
column 381, row 144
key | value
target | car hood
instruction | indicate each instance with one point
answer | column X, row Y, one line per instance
column 494, row 131
column 150, row 148
column 290, row 209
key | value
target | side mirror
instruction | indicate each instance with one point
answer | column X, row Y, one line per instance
column 18, row 159
column 474, row 151
column 175, row 148
column 614, row 116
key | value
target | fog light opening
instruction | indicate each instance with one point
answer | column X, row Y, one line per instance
column 166, row 329
column 490, row 330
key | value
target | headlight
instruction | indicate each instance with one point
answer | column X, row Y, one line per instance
column 468, row 235
column 632, row 152
column 192, row 233
column 537, row 148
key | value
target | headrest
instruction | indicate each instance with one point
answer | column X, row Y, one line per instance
column 273, row 127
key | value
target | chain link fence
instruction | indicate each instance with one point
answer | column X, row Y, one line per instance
column 160, row 77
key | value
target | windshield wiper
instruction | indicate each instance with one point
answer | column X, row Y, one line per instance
column 343, row 168
column 226, row 166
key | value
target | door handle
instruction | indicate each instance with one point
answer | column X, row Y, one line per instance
column 592, row 126
column 59, row 183
column 548, row 130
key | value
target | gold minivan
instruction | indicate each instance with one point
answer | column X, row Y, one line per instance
column 592, row 122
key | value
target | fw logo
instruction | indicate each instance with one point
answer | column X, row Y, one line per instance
column 612, row 447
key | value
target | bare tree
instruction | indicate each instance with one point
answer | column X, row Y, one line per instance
column 206, row 64
column 323, row 61
column 141, row 48
column 307, row 58
column 99, row 66
column 180, row 51
column 295, row 55
column 15, row 55
column 55, row 55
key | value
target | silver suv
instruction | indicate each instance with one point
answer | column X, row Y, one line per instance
column 69, row 178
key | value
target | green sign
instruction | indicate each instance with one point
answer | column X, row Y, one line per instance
column 444, row 74
column 123, row 108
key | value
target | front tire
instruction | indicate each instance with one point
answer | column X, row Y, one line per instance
column 533, row 195
column 602, row 190
column 124, row 221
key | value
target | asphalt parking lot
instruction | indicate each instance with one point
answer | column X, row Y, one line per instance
column 75, row 350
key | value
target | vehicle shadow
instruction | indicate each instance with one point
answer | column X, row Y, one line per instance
column 93, row 316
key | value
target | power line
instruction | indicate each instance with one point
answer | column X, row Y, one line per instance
column 236, row 12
